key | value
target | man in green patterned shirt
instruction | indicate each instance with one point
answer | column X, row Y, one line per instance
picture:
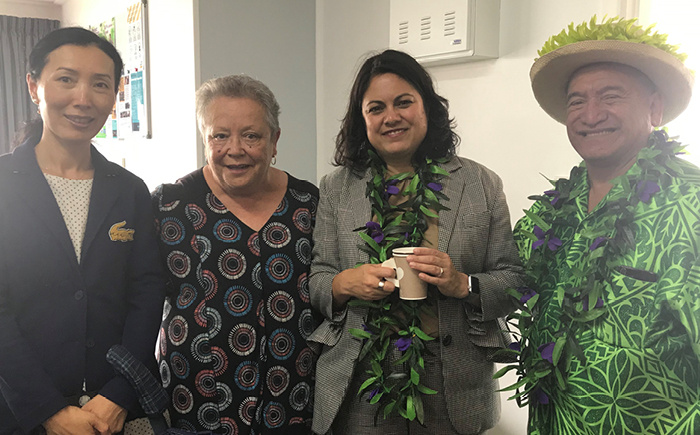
column 610, row 326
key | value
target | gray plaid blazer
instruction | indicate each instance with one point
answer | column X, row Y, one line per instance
column 477, row 235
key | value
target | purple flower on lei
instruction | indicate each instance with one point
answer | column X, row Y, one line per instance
column 403, row 343
column 552, row 242
column 540, row 396
column 554, row 193
column 527, row 294
column 546, row 351
column 373, row 393
column 645, row 189
column 515, row 346
column 599, row 304
column 597, row 242
column 375, row 231
column 436, row 187
column 391, row 188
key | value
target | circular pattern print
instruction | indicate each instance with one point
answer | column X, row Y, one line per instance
column 279, row 268
column 208, row 416
column 177, row 330
column 247, row 375
column 307, row 325
column 179, row 365
column 183, row 401
column 225, row 395
column 274, row 415
column 303, row 250
column 256, row 276
column 299, row 396
column 227, row 230
column 238, row 301
column 205, row 383
column 207, row 279
column 281, row 344
column 300, row 195
column 200, row 348
column 246, row 412
column 277, row 380
column 202, row 246
column 214, row 204
column 254, row 244
column 276, row 235
column 303, row 287
column 229, row 426
column 232, row 264
column 172, row 231
column 280, row 305
column 196, row 215
column 242, row 339
column 220, row 360
column 282, row 207
column 305, row 362
column 302, row 220
column 164, row 370
column 178, row 264
column 187, row 295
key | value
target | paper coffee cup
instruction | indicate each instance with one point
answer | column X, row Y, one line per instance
column 410, row 286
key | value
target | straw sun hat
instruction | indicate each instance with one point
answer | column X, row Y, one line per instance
column 614, row 40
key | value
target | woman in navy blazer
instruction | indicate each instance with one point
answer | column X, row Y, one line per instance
column 79, row 261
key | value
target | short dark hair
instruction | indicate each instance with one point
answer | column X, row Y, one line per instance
column 39, row 55
column 351, row 143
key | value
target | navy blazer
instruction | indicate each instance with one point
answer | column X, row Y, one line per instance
column 59, row 317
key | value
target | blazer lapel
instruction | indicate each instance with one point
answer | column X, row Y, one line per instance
column 359, row 212
column 452, row 187
column 105, row 191
column 37, row 194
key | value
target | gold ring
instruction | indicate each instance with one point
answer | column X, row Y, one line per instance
column 441, row 272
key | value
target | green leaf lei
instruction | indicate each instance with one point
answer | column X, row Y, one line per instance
column 542, row 369
column 611, row 29
column 399, row 391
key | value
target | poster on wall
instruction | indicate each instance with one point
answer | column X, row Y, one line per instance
column 128, row 32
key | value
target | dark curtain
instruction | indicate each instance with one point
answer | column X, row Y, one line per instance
column 17, row 37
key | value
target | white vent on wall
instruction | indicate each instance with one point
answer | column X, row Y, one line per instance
column 445, row 31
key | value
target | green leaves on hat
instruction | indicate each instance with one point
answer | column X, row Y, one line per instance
column 611, row 29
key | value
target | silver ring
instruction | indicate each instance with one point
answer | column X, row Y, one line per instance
column 441, row 272
column 381, row 284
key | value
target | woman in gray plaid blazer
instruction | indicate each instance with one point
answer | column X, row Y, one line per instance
column 395, row 111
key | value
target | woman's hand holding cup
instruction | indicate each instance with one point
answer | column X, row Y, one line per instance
column 367, row 282
column 436, row 268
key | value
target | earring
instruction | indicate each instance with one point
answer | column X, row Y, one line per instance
column 274, row 160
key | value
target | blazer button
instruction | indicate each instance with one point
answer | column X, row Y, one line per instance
column 89, row 343
column 79, row 295
column 447, row 340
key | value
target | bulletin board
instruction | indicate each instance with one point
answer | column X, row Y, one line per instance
column 128, row 31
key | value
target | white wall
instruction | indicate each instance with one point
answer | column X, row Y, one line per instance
column 499, row 120
column 172, row 152
column 30, row 9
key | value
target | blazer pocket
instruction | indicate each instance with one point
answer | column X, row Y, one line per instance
column 476, row 219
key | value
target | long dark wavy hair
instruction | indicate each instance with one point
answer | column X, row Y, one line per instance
column 39, row 57
column 351, row 144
